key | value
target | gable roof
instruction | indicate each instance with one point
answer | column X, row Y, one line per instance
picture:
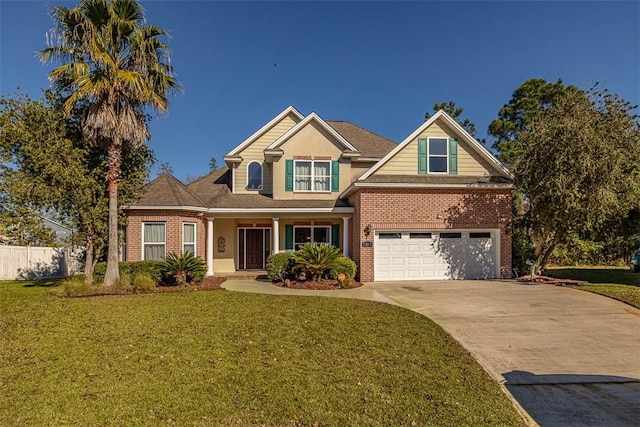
column 311, row 117
column 370, row 144
column 289, row 110
column 459, row 130
column 166, row 190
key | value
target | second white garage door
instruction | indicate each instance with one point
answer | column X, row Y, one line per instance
column 435, row 255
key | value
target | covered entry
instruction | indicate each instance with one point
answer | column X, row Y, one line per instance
column 436, row 255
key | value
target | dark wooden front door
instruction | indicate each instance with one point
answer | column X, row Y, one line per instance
column 255, row 249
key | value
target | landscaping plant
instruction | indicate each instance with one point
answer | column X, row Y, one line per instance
column 279, row 266
column 314, row 259
column 183, row 268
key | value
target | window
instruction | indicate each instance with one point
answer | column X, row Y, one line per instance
column 438, row 154
column 390, row 236
column 189, row 237
column 153, row 240
column 304, row 235
column 419, row 235
column 483, row 235
column 312, row 175
column 254, row 176
column 450, row 235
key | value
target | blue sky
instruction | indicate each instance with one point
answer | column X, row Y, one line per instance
column 381, row 65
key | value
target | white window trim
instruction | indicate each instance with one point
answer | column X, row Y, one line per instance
column 312, row 176
column 246, row 187
column 446, row 139
column 312, row 227
column 154, row 243
column 195, row 237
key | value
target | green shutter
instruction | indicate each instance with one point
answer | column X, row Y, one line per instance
column 335, row 176
column 422, row 155
column 288, row 237
column 288, row 175
column 453, row 156
column 335, row 235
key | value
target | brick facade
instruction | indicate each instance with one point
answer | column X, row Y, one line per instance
column 173, row 220
column 428, row 209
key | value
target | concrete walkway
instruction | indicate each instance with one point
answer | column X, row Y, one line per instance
column 256, row 286
column 567, row 357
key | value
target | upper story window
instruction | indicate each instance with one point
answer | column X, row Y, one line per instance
column 312, row 175
column 254, row 176
column 438, row 155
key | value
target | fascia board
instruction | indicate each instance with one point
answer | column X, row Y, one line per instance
column 289, row 110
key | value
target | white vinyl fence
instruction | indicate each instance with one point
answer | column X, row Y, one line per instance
column 32, row 262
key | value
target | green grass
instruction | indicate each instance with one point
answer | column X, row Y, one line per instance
column 224, row 358
column 617, row 283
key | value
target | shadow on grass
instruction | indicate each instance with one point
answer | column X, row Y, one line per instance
column 45, row 283
column 622, row 276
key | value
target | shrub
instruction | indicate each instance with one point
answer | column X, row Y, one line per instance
column 345, row 266
column 132, row 268
column 279, row 266
column 143, row 282
column 123, row 284
column 183, row 268
column 76, row 286
column 315, row 259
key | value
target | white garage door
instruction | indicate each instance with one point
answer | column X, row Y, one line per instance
column 435, row 255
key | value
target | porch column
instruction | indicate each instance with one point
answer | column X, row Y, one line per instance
column 276, row 236
column 209, row 246
column 345, row 235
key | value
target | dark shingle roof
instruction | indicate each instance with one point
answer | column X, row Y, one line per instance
column 367, row 142
column 166, row 190
column 210, row 186
column 436, row 179
column 260, row 201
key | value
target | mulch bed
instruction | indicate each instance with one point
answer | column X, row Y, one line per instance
column 207, row 284
column 322, row 284
column 550, row 281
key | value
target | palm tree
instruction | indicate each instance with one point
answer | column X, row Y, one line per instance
column 119, row 65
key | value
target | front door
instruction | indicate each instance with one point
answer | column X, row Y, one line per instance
column 255, row 249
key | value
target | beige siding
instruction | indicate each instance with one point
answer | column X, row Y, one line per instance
column 255, row 151
column 314, row 141
column 357, row 169
column 406, row 160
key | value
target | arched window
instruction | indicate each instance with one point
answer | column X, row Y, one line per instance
column 254, row 176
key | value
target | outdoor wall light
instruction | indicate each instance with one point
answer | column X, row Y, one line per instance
column 367, row 230
column 439, row 215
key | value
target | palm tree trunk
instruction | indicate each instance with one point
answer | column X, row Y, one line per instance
column 114, row 157
column 88, row 264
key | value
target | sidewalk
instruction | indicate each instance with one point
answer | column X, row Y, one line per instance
column 254, row 286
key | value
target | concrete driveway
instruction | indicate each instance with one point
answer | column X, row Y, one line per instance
column 568, row 357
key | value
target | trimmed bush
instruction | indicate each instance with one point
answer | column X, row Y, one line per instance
column 123, row 284
column 279, row 266
column 183, row 268
column 132, row 268
column 345, row 266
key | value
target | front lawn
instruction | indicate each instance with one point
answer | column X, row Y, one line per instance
column 617, row 283
column 224, row 358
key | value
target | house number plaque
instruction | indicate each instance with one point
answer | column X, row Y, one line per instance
column 221, row 242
